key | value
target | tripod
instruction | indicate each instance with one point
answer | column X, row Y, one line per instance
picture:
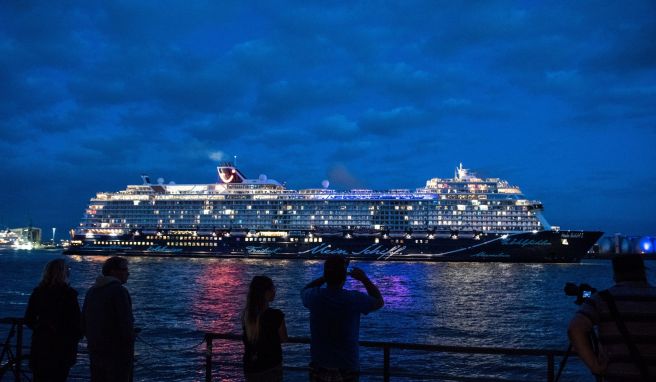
column 563, row 362
column 13, row 361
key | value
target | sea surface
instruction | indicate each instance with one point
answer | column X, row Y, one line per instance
column 176, row 301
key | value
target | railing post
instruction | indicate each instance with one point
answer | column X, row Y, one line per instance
column 19, row 349
column 386, row 363
column 550, row 367
column 208, row 358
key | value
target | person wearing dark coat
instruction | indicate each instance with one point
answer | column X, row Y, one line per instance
column 108, row 324
column 53, row 314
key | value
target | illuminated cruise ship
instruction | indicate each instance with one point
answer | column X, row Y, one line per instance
column 464, row 218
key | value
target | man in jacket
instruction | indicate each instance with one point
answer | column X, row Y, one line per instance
column 108, row 324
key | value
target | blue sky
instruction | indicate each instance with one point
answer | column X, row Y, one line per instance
column 556, row 97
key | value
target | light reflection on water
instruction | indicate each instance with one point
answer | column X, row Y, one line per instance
column 470, row 304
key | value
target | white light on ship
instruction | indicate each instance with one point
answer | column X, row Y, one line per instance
column 504, row 236
column 535, row 231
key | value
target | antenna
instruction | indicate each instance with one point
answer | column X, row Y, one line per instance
column 235, row 161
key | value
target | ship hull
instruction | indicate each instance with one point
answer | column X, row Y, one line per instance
column 528, row 247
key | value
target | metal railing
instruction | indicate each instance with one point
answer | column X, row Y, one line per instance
column 11, row 354
column 386, row 347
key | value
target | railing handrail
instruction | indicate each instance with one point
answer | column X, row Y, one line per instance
column 550, row 354
column 15, row 360
column 209, row 337
column 418, row 346
column 12, row 320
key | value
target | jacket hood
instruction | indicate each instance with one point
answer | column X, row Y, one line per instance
column 102, row 281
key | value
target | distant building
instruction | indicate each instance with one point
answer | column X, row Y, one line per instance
column 618, row 244
column 28, row 234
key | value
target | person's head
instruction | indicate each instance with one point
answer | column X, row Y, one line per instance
column 261, row 291
column 55, row 273
column 334, row 271
column 116, row 267
column 629, row 268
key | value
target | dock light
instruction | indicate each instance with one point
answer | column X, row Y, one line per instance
column 646, row 245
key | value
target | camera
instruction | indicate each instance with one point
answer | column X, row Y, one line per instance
column 581, row 291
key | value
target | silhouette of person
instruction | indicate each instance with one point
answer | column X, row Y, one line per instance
column 53, row 314
column 335, row 320
column 625, row 318
column 264, row 330
column 108, row 324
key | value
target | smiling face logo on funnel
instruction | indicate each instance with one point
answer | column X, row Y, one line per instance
column 229, row 174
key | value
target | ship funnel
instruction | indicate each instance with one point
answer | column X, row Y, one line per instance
column 229, row 174
column 145, row 178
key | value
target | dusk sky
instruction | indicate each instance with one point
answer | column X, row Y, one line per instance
column 558, row 98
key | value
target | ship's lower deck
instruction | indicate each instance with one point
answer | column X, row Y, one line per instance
column 538, row 247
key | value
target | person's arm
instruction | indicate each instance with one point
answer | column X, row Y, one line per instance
column 315, row 283
column 372, row 290
column 124, row 317
column 30, row 313
column 75, row 320
column 282, row 331
column 578, row 332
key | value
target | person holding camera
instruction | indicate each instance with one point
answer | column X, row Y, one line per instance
column 625, row 318
column 335, row 320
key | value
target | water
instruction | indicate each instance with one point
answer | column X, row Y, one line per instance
column 471, row 304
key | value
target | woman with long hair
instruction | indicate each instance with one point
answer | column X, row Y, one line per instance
column 264, row 330
column 53, row 314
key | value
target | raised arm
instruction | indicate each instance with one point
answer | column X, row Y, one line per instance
column 282, row 331
column 315, row 283
column 578, row 331
column 372, row 290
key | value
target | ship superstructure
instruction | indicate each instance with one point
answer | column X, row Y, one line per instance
column 447, row 219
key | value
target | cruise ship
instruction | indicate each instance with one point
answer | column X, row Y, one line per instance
column 464, row 218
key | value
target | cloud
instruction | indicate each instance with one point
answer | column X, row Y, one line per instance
column 296, row 88
column 342, row 178
column 284, row 100
column 400, row 118
column 217, row 156
column 337, row 127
